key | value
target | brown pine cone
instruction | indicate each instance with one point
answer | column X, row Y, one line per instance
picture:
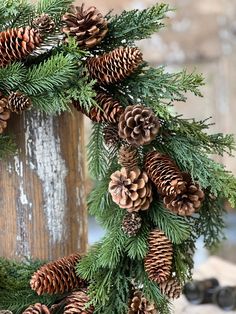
column 17, row 44
column 38, row 308
column 158, row 262
column 57, row 277
column 164, row 173
column 128, row 157
column 44, row 24
column 138, row 125
column 110, row 134
column 18, row 102
column 130, row 189
column 4, row 113
column 76, row 304
column 189, row 201
column 114, row 66
column 131, row 224
column 108, row 109
column 140, row 305
column 171, row 288
column 88, row 26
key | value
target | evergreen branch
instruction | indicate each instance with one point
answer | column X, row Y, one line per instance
column 12, row 76
column 54, row 8
column 7, row 146
column 51, row 103
column 137, row 247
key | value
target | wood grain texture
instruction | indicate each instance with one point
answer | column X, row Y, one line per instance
column 43, row 212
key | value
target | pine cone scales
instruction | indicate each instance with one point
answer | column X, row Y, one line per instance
column 18, row 102
column 138, row 125
column 88, row 26
column 76, row 304
column 158, row 262
column 110, row 134
column 164, row 173
column 140, row 305
column 44, row 24
column 4, row 113
column 114, row 66
column 38, row 308
column 57, row 277
column 130, row 189
column 17, row 44
column 171, row 288
column 131, row 224
column 128, row 157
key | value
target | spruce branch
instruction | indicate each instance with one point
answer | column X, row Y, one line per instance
column 54, row 8
column 12, row 76
column 7, row 146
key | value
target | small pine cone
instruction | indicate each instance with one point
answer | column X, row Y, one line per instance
column 4, row 113
column 165, row 174
column 140, row 305
column 108, row 109
column 76, row 304
column 44, row 24
column 114, row 66
column 57, row 277
column 138, row 125
column 171, row 288
column 128, row 157
column 158, row 262
column 110, row 134
column 131, row 189
column 18, row 102
column 38, row 308
column 131, row 224
column 5, row 312
column 88, row 26
column 17, row 44
column 189, row 201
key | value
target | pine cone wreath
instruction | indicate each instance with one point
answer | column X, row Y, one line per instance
column 88, row 26
column 77, row 304
column 164, row 173
column 130, row 189
column 189, row 201
column 38, row 308
column 128, row 157
column 158, row 262
column 171, row 288
column 17, row 44
column 110, row 134
column 131, row 224
column 108, row 109
column 4, row 113
column 44, row 24
column 114, row 66
column 140, row 305
column 138, row 125
column 18, row 102
column 57, row 277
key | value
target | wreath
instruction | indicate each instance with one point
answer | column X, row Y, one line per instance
column 157, row 190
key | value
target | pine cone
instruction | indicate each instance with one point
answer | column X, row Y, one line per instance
column 140, row 305
column 114, row 66
column 5, row 312
column 164, row 173
column 44, row 24
column 158, row 261
column 131, row 224
column 189, row 201
column 110, row 133
column 108, row 109
column 17, row 44
column 128, row 157
column 130, row 189
column 171, row 288
column 88, row 26
column 38, row 308
column 4, row 113
column 18, row 102
column 138, row 125
column 57, row 277
column 76, row 304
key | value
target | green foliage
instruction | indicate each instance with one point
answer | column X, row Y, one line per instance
column 12, row 76
column 7, row 146
column 54, row 8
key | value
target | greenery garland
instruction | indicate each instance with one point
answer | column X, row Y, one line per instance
column 157, row 188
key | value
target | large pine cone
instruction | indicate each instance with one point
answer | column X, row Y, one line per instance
column 18, row 102
column 128, row 157
column 140, row 305
column 57, row 277
column 114, row 66
column 44, row 24
column 171, row 288
column 4, row 113
column 88, row 26
column 38, row 308
column 109, row 109
column 189, row 201
column 138, row 125
column 158, row 262
column 131, row 224
column 130, row 189
column 76, row 304
column 110, row 134
column 164, row 173
column 17, row 44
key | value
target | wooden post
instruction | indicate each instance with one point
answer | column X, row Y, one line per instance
column 42, row 202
